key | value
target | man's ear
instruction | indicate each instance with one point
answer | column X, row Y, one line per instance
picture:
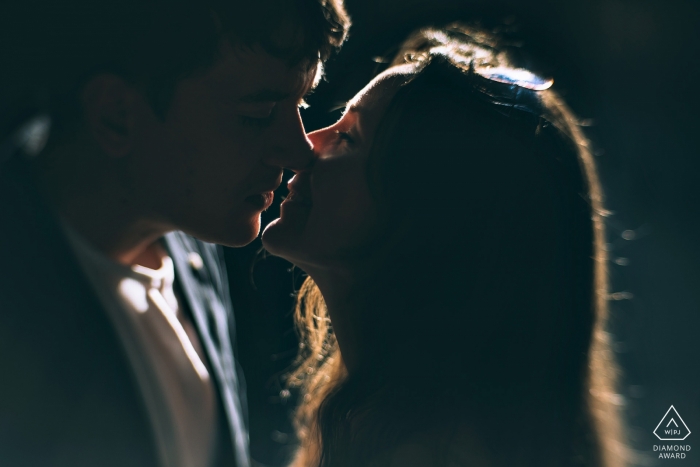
column 109, row 107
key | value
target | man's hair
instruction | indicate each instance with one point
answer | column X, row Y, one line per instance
column 49, row 49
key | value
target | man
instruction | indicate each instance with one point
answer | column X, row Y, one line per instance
column 170, row 124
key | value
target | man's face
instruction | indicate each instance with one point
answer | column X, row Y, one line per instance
column 210, row 167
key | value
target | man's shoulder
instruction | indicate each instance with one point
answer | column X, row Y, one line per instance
column 69, row 389
column 31, row 241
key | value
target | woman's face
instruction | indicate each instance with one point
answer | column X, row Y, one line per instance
column 330, row 215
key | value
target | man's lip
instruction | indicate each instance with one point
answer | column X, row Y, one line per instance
column 268, row 186
column 261, row 200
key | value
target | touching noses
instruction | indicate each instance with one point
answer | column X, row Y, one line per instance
column 291, row 148
column 318, row 140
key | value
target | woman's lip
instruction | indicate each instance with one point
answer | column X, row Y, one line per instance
column 295, row 197
column 300, row 182
column 290, row 208
column 288, row 202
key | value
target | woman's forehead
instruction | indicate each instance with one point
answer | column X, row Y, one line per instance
column 382, row 87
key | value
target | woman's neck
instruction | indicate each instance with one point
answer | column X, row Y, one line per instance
column 340, row 293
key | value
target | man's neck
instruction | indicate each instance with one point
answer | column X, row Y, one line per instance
column 123, row 239
column 101, row 213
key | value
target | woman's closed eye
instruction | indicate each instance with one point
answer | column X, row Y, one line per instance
column 344, row 137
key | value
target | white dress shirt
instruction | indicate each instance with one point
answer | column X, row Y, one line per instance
column 163, row 349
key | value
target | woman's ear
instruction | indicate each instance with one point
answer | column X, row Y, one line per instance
column 109, row 108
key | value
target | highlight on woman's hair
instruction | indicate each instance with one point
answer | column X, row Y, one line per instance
column 521, row 295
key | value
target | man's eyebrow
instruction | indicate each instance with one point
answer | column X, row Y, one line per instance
column 266, row 95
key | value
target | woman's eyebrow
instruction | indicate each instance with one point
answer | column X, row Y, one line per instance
column 355, row 108
column 359, row 113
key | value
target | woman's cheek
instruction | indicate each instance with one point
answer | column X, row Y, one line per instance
column 358, row 216
column 343, row 206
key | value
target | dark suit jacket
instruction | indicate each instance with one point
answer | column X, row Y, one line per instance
column 68, row 396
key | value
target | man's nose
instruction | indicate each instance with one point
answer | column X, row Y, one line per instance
column 316, row 139
column 291, row 148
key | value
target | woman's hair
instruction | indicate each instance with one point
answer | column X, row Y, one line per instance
column 488, row 316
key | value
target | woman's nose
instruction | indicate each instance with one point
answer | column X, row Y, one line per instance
column 318, row 140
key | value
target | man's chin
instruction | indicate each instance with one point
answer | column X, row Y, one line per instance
column 235, row 235
column 242, row 236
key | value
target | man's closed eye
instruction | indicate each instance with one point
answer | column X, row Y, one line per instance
column 259, row 122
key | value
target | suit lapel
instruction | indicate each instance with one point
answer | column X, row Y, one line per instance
column 70, row 386
column 193, row 265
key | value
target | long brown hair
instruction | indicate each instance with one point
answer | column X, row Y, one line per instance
column 496, row 324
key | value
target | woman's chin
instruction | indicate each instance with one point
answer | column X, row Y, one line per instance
column 278, row 237
column 268, row 235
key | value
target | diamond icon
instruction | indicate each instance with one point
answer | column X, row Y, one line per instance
column 671, row 427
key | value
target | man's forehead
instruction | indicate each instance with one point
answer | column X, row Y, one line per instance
column 251, row 74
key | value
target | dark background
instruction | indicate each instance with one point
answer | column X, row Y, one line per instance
column 630, row 69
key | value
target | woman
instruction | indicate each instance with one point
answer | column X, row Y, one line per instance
column 452, row 232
